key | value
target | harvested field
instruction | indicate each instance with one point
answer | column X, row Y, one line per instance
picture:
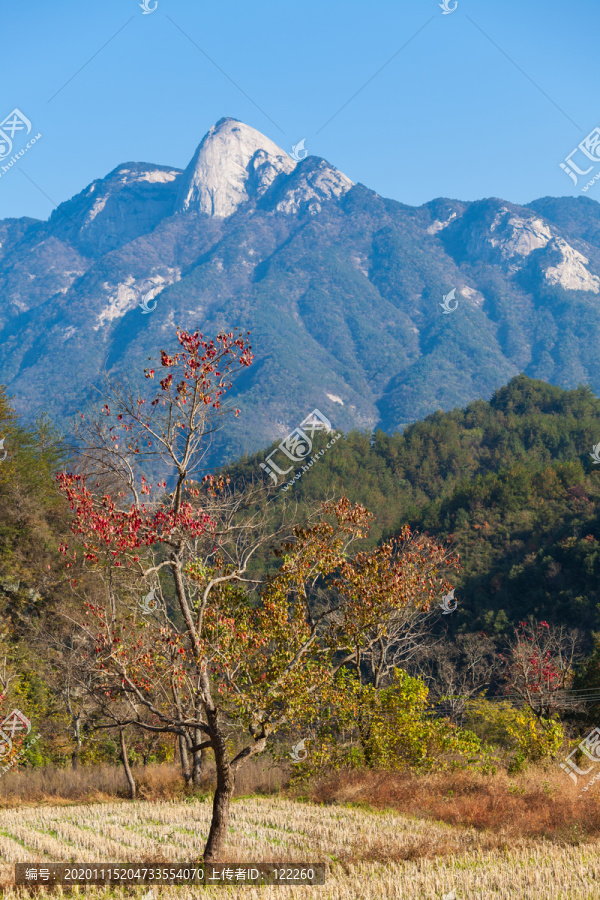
column 371, row 855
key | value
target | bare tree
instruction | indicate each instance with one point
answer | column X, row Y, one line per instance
column 397, row 642
column 456, row 671
column 63, row 649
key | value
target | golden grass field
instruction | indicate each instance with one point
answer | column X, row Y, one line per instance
column 372, row 855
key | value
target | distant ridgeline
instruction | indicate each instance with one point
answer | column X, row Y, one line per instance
column 511, row 482
column 342, row 290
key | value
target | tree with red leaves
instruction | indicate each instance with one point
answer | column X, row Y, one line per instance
column 539, row 666
column 219, row 654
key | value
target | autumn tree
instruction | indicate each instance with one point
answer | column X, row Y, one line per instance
column 189, row 639
column 539, row 666
column 393, row 588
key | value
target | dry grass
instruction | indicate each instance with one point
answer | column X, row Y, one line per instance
column 539, row 803
column 372, row 855
column 90, row 784
column 100, row 783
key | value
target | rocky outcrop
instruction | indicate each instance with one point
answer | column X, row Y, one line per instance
column 115, row 210
column 232, row 164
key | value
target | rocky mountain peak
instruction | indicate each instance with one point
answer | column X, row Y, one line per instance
column 130, row 201
column 232, row 164
column 313, row 182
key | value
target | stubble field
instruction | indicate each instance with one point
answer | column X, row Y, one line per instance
column 370, row 855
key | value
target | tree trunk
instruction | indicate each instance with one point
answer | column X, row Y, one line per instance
column 76, row 722
column 222, row 799
column 126, row 766
column 198, row 759
column 185, row 761
column 364, row 732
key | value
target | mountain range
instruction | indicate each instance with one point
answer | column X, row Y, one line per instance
column 343, row 290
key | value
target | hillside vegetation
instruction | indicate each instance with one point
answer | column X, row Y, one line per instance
column 510, row 483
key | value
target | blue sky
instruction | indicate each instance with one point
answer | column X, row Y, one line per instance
column 454, row 113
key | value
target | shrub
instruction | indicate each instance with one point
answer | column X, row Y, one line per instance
column 388, row 728
column 505, row 726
